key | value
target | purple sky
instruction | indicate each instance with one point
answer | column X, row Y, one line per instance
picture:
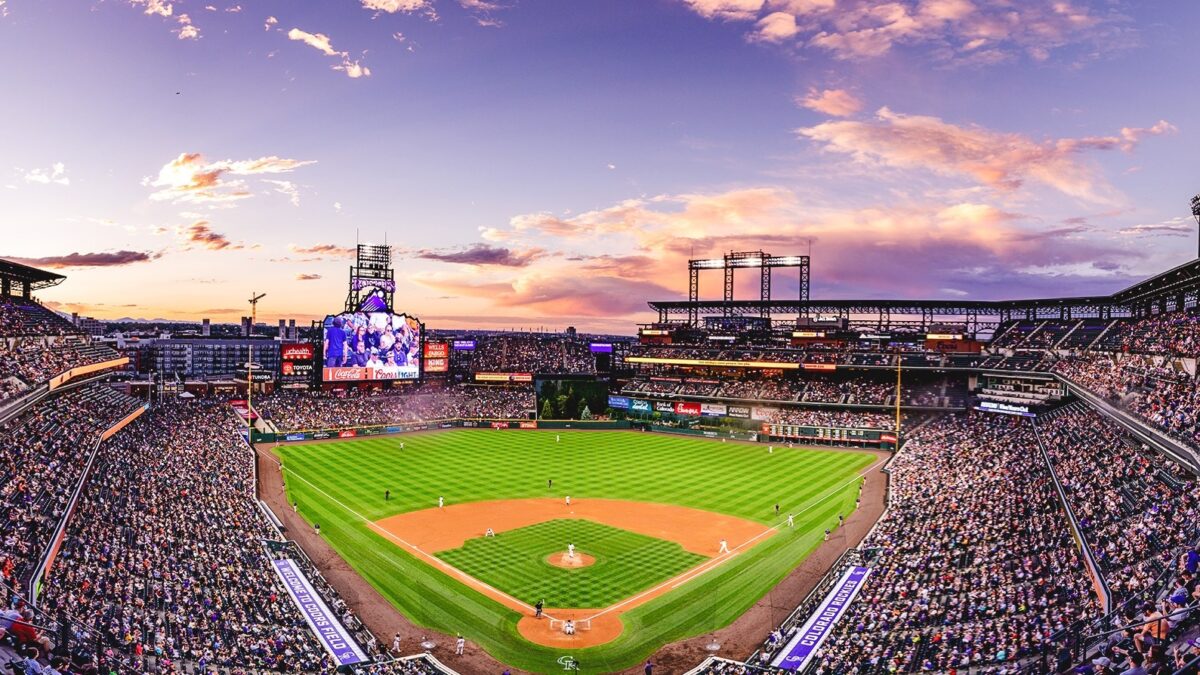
column 539, row 162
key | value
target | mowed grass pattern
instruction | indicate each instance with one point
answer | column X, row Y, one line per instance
column 340, row 485
column 626, row 562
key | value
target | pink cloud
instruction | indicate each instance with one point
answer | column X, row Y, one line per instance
column 483, row 255
column 185, row 30
column 858, row 252
column 199, row 234
column 998, row 160
column 835, row 102
column 775, row 27
column 958, row 31
column 323, row 44
column 191, row 178
column 394, row 6
column 101, row 259
column 323, row 250
column 740, row 10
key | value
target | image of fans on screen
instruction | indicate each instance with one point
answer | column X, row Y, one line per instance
column 371, row 346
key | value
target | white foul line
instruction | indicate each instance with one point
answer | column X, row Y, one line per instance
column 438, row 562
column 712, row 563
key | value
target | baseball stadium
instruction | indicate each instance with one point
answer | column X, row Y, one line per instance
column 796, row 495
column 646, row 337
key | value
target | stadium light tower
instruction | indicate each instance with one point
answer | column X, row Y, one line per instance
column 1196, row 215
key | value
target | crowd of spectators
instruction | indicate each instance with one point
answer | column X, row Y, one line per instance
column 34, row 360
column 46, row 450
column 817, row 389
column 26, row 317
column 828, row 417
column 1043, row 334
column 291, row 410
column 975, row 567
column 37, row 344
column 416, row 665
column 1149, row 387
column 163, row 559
column 777, row 389
column 698, row 388
column 1173, row 333
column 1137, row 510
column 531, row 353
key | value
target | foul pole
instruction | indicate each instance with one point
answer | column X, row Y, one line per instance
column 899, row 367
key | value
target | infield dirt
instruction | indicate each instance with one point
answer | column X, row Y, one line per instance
column 431, row 531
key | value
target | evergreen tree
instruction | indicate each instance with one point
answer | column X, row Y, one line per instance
column 586, row 413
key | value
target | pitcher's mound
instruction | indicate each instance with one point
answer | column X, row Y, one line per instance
column 564, row 560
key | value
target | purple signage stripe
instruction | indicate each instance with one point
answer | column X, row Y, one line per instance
column 804, row 645
column 328, row 628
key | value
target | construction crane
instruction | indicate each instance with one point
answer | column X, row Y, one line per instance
column 254, row 298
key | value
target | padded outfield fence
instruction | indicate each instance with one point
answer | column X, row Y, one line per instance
column 551, row 425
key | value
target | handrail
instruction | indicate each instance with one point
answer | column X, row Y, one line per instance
column 1141, row 429
column 1185, row 610
column 52, row 544
column 1073, row 522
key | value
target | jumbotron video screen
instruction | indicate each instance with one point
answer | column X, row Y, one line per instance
column 370, row 346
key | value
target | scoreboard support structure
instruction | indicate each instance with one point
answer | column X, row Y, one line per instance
column 735, row 260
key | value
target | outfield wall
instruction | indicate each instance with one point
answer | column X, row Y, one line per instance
column 752, row 436
column 391, row 429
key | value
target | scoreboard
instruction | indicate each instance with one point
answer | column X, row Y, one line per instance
column 830, row 434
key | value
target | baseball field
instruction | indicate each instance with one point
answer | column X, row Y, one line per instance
column 662, row 538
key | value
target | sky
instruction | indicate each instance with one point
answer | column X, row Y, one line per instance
column 553, row 163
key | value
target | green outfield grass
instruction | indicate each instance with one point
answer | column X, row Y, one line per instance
column 626, row 562
column 340, row 485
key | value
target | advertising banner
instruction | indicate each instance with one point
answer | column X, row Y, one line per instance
column 713, row 409
column 600, row 348
column 439, row 350
column 504, row 377
column 528, row 425
column 773, row 365
column 763, row 413
column 739, row 411
column 664, row 406
column 296, row 351
column 393, row 430
column 1006, row 408
column 324, row 623
column 687, row 408
column 347, row 433
column 243, row 409
column 499, row 425
column 619, row 402
column 637, row 405
column 796, row 655
column 464, row 345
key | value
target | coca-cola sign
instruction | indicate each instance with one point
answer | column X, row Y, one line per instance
column 345, row 374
